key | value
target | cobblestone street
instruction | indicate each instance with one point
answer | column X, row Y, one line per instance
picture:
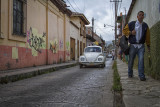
column 71, row 87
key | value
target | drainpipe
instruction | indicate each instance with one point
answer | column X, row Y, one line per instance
column 0, row 18
column 65, row 37
column 47, row 34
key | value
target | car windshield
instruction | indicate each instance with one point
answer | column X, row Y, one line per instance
column 93, row 49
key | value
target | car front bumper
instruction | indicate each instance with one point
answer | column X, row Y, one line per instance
column 91, row 63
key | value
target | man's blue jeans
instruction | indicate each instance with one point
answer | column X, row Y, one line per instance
column 132, row 54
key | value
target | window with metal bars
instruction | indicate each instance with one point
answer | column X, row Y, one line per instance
column 0, row 18
column 18, row 17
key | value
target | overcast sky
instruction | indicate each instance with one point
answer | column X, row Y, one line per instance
column 103, row 13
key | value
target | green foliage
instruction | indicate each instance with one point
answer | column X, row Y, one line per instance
column 152, row 59
column 4, row 80
column 116, row 78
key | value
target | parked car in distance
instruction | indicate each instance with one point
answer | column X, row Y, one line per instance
column 109, row 56
column 93, row 56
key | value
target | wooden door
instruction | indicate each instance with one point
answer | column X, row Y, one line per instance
column 81, row 48
column 77, row 48
column 72, row 48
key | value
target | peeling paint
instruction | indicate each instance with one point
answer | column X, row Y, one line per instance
column 14, row 53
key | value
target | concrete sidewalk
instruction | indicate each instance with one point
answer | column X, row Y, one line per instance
column 138, row 93
column 18, row 74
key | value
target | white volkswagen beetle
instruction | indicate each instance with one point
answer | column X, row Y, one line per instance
column 93, row 56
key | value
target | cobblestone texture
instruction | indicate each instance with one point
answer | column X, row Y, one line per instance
column 70, row 87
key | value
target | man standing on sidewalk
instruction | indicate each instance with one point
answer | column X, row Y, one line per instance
column 138, row 32
column 113, row 54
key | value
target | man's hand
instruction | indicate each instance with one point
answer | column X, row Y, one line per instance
column 133, row 32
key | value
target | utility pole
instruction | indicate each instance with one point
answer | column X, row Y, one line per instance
column 93, row 26
column 115, row 30
column 116, row 1
column 125, row 15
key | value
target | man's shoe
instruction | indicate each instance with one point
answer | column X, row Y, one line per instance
column 143, row 79
column 130, row 76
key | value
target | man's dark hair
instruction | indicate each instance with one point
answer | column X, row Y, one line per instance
column 140, row 12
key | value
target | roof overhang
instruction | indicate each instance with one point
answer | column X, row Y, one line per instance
column 82, row 16
column 61, row 5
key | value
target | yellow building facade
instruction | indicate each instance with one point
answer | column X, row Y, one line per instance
column 33, row 33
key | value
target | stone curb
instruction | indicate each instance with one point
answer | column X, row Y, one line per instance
column 31, row 73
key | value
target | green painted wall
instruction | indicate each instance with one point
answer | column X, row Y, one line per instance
column 152, row 63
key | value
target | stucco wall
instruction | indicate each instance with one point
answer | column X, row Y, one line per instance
column 152, row 63
column 44, row 42
column 67, row 38
column 150, row 8
column 4, row 18
column 74, row 33
column 23, row 51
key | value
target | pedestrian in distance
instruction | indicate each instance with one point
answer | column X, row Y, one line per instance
column 113, row 54
column 138, row 33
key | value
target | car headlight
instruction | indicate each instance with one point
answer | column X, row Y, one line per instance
column 82, row 59
column 100, row 59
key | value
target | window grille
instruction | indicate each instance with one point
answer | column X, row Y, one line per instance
column 18, row 17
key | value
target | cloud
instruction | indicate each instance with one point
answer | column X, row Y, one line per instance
column 102, row 11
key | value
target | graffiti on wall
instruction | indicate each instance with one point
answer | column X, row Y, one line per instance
column 36, row 41
column 60, row 44
column 54, row 46
column 67, row 45
column 67, row 51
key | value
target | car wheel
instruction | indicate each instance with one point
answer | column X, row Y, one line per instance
column 104, row 65
column 101, row 66
column 80, row 66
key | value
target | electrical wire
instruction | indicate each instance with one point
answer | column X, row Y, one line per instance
column 77, row 6
column 119, row 7
column 72, row 6
column 84, row 7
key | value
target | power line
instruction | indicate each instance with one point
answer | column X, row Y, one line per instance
column 71, row 6
column 119, row 7
column 84, row 7
column 76, row 5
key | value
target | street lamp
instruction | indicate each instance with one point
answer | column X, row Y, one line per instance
column 108, row 25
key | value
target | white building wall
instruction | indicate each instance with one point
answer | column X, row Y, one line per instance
column 150, row 8
column 67, row 37
column 74, row 33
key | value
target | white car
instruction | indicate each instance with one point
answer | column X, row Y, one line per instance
column 109, row 56
column 93, row 56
